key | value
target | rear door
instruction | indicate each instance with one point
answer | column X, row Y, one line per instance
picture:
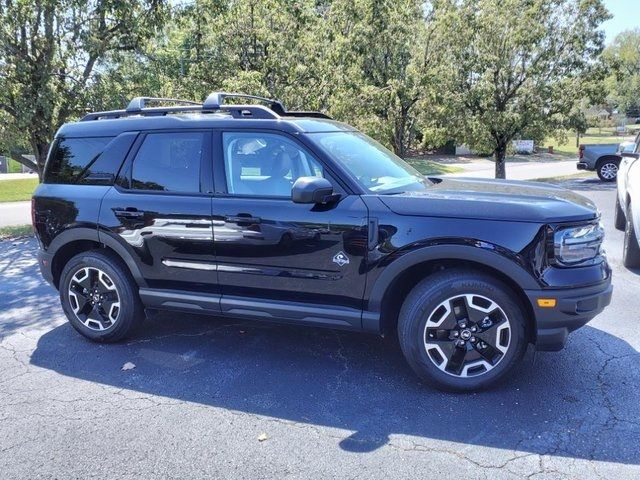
column 160, row 210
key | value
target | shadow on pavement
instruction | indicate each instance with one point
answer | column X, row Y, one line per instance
column 572, row 403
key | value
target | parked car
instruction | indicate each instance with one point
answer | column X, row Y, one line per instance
column 627, row 210
column 601, row 158
column 184, row 207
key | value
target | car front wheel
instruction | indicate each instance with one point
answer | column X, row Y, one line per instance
column 462, row 330
column 99, row 297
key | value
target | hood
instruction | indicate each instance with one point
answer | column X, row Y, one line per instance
column 494, row 200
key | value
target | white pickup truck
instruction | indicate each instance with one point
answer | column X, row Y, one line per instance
column 627, row 211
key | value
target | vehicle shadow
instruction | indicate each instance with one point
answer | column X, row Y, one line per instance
column 573, row 403
column 587, row 184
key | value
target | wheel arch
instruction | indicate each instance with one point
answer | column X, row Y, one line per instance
column 399, row 277
column 605, row 158
column 81, row 239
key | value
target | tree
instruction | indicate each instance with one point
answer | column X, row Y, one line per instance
column 517, row 66
column 623, row 59
column 50, row 52
column 383, row 57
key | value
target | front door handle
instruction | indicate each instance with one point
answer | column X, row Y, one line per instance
column 128, row 213
column 242, row 218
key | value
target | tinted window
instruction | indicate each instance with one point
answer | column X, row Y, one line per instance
column 169, row 162
column 263, row 164
column 77, row 160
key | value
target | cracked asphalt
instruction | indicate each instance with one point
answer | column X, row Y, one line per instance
column 331, row 404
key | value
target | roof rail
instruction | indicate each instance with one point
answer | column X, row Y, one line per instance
column 138, row 103
column 214, row 102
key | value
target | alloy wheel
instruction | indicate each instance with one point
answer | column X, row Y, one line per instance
column 609, row 171
column 94, row 298
column 467, row 335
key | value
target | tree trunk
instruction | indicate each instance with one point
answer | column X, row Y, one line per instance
column 499, row 156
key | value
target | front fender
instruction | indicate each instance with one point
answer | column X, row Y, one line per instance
column 482, row 254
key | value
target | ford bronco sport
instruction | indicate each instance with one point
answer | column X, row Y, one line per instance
column 256, row 212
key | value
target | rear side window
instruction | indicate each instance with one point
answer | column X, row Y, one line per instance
column 78, row 160
column 169, row 162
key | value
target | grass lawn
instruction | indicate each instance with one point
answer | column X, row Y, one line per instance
column 593, row 135
column 18, row 189
column 429, row 167
column 7, row 233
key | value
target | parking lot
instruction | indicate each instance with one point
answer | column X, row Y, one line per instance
column 211, row 397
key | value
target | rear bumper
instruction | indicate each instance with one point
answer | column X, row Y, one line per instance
column 44, row 262
column 574, row 308
column 583, row 166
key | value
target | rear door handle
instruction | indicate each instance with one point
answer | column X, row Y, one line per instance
column 240, row 218
column 128, row 213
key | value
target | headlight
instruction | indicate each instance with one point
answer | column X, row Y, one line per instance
column 574, row 245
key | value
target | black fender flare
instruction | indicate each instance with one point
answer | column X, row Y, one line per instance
column 479, row 255
column 92, row 234
column 606, row 157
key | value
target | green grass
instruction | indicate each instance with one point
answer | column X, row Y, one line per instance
column 7, row 233
column 17, row 190
column 429, row 167
column 14, row 167
column 593, row 135
column 564, row 178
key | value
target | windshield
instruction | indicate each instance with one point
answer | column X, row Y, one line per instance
column 377, row 169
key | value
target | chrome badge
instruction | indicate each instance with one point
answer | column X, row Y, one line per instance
column 341, row 259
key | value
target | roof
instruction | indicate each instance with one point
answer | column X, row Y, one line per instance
column 114, row 126
column 212, row 113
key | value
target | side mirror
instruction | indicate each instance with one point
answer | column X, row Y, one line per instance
column 311, row 190
column 630, row 155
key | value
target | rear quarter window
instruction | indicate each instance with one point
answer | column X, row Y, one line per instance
column 80, row 161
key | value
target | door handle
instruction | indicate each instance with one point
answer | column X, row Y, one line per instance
column 128, row 213
column 241, row 218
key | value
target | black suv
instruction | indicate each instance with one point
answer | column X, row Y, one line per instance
column 256, row 212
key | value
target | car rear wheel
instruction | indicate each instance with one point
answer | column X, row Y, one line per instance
column 607, row 170
column 618, row 216
column 99, row 297
column 630, row 248
column 461, row 330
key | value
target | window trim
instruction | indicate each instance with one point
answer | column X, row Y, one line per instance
column 220, row 169
column 123, row 180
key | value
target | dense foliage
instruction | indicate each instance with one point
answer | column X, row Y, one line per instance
column 413, row 74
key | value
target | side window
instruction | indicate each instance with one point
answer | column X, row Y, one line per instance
column 73, row 160
column 265, row 164
column 169, row 162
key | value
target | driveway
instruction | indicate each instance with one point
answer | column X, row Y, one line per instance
column 216, row 398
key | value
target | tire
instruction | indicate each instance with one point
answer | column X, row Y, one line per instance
column 116, row 310
column 607, row 170
column 472, row 290
column 630, row 247
column 619, row 220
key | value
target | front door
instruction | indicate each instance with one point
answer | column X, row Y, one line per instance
column 275, row 258
column 160, row 210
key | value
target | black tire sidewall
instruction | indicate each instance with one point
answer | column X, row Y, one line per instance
column 130, row 312
column 427, row 295
column 619, row 219
column 631, row 249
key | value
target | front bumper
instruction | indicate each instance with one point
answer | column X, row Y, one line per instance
column 574, row 308
column 44, row 262
column 582, row 166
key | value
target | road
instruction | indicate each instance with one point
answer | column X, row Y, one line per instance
column 326, row 404
column 15, row 213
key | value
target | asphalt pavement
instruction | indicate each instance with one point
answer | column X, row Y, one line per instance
column 216, row 398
